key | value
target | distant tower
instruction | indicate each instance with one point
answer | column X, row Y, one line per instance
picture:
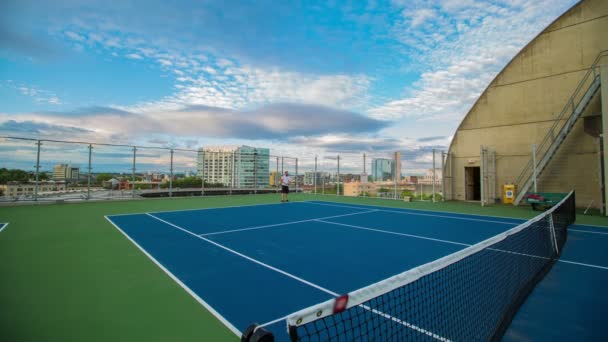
column 397, row 163
column 364, row 174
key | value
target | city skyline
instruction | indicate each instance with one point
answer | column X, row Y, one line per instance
column 309, row 80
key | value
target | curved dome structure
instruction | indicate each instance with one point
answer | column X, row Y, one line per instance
column 523, row 103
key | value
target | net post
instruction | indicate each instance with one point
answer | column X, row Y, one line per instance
column 38, row 144
column 89, row 175
column 171, row 175
column 553, row 235
column 133, row 172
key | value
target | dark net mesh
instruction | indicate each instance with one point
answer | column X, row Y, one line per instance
column 473, row 299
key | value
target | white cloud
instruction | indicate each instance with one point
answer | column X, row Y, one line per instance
column 74, row 36
column 462, row 47
column 39, row 95
column 419, row 16
column 134, row 56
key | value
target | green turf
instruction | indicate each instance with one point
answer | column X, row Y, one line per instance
column 67, row 275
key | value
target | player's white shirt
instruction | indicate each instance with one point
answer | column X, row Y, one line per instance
column 285, row 180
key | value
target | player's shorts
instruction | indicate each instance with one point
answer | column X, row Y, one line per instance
column 284, row 189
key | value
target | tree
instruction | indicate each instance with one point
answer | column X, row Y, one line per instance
column 103, row 177
column 407, row 193
column 13, row 175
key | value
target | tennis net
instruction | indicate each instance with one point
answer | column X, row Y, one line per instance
column 470, row 295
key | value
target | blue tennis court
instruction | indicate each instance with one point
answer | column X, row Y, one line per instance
column 261, row 263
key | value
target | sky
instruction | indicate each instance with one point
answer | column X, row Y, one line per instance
column 302, row 78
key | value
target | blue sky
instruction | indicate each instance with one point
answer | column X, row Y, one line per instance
column 303, row 78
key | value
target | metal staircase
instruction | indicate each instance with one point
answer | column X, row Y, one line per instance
column 572, row 111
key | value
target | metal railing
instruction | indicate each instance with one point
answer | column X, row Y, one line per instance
column 560, row 121
column 151, row 171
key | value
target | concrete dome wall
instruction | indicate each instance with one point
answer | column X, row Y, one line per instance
column 522, row 102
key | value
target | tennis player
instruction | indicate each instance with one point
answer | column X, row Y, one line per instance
column 285, row 179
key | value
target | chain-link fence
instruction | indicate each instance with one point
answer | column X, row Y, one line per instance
column 39, row 170
column 375, row 174
column 54, row 170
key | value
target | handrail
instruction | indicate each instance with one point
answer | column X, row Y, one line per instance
column 570, row 106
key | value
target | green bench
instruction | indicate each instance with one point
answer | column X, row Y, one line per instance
column 544, row 200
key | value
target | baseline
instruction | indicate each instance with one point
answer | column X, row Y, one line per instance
column 211, row 208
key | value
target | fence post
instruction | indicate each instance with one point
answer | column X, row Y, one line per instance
column 338, row 179
column 38, row 143
column 296, row 175
column 171, row 176
column 90, row 169
column 255, row 171
column 433, row 175
column 275, row 180
column 315, row 176
column 203, row 173
column 443, row 156
column 232, row 166
column 133, row 173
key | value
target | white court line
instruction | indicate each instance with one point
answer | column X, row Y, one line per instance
column 180, row 283
column 461, row 243
column 285, row 223
column 232, row 206
column 586, row 231
column 395, row 233
column 584, row 225
column 422, row 210
column 318, row 287
column 3, row 226
column 247, row 257
column 420, row 214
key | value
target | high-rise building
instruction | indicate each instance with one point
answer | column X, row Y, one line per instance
column 397, row 166
column 382, row 169
column 240, row 167
column 65, row 172
column 215, row 164
column 252, row 166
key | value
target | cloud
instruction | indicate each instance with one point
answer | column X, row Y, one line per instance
column 13, row 127
column 276, row 121
column 349, row 143
column 461, row 47
column 134, row 56
column 74, row 36
column 39, row 95
column 428, row 139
